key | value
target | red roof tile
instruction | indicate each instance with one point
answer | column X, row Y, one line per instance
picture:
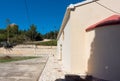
column 112, row 20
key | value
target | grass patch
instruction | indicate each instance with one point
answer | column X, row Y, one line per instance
column 43, row 43
column 10, row 59
column 48, row 43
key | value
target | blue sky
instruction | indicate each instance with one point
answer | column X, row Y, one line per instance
column 47, row 15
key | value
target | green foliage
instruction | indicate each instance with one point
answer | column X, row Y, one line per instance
column 32, row 34
column 2, row 31
column 48, row 43
column 12, row 30
column 38, row 37
column 17, row 39
column 51, row 35
column 13, row 34
column 3, row 37
column 10, row 59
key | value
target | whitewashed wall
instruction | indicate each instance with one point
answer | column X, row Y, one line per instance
column 105, row 53
column 75, row 53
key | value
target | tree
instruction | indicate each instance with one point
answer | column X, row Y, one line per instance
column 51, row 35
column 39, row 37
column 3, row 37
column 12, row 31
column 32, row 33
column 2, row 31
column 12, row 34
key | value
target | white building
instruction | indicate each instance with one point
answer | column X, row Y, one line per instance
column 88, row 41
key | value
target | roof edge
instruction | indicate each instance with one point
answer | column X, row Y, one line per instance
column 67, row 14
column 84, row 2
column 111, row 20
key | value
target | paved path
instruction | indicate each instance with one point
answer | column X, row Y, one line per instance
column 52, row 70
column 27, row 70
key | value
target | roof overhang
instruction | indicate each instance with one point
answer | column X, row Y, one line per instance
column 67, row 14
column 112, row 20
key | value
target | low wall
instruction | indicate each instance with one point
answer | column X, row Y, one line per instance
column 29, row 50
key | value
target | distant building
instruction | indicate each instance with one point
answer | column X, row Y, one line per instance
column 88, row 41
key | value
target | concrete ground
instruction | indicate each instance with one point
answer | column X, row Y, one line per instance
column 32, row 70
column 53, row 70
column 26, row 70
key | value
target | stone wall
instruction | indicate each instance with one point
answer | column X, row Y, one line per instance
column 28, row 50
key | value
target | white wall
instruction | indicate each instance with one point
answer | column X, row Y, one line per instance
column 67, row 48
column 77, row 38
column 89, row 36
column 74, row 53
column 81, row 18
column 105, row 53
column 59, row 49
column 65, row 42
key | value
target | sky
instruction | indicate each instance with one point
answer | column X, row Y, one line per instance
column 47, row 15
